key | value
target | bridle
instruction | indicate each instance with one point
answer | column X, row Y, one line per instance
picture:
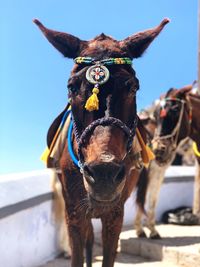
column 97, row 79
column 109, row 121
column 173, row 137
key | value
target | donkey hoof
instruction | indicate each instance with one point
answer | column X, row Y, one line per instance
column 142, row 235
column 155, row 236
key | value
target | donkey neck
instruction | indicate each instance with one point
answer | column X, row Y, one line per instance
column 195, row 123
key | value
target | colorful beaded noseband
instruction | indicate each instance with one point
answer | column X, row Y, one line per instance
column 98, row 74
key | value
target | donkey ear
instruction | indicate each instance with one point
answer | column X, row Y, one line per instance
column 136, row 44
column 67, row 44
column 183, row 91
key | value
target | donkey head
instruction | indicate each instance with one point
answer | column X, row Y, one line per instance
column 173, row 122
column 149, row 122
column 103, row 66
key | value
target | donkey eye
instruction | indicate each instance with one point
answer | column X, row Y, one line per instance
column 72, row 88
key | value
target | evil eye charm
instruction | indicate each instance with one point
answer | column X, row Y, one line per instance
column 97, row 74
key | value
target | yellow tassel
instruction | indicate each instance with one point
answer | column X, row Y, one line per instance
column 93, row 101
column 147, row 154
column 45, row 155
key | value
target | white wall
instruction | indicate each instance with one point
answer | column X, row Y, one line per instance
column 28, row 238
column 28, row 234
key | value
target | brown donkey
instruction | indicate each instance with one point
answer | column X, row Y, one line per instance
column 178, row 118
column 102, row 91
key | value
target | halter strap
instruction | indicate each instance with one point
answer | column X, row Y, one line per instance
column 110, row 121
column 107, row 61
column 175, row 132
column 182, row 101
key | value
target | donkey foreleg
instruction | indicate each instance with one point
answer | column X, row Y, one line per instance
column 151, row 213
column 81, row 236
column 156, row 177
column 89, row 245
column 77, row 245
column 111, row 228
column 138, row 224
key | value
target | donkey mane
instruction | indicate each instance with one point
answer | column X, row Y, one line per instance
column 170, row 91
column 103, row 36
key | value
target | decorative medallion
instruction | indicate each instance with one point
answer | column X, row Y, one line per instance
column 97, row 74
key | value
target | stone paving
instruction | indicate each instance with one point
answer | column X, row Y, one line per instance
column 123, row 260
column 180, row 246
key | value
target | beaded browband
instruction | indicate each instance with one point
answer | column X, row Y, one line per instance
column 98, row 74
column 107, row 61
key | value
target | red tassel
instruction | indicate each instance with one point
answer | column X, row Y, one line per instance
column 163, row 113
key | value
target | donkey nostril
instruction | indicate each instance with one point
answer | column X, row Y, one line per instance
column 120, row 175
column 104, row 172
column 162, row 148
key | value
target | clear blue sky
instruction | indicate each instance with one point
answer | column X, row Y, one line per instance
column 33, row 75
